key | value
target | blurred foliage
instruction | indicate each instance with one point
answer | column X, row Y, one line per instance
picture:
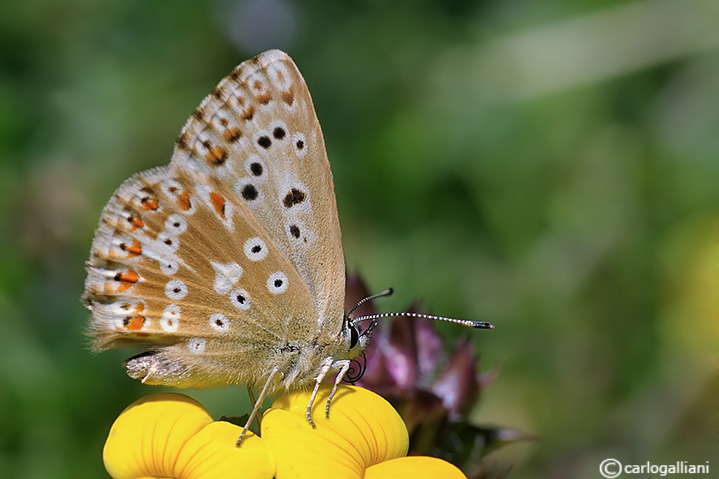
column 548, row 166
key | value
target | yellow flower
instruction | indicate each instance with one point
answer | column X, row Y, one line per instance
column 172, row 436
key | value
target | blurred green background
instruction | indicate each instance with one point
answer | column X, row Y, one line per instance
column 551, row 167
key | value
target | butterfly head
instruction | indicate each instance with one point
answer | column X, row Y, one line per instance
column 357, row 339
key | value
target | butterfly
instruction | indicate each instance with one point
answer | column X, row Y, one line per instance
column 226, row 266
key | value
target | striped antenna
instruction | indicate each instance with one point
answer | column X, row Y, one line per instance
column 462, row 322
column 387, row 292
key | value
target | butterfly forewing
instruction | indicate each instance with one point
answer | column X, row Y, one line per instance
column 232, row 254
column 258, row 133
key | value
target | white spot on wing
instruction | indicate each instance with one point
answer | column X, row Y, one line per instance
column 176, row 224
column 168, row 241
column 299, row 144
column 279, row 76
column 226, row 275
column 255, row 249
column 169, row 265
column 171, row 187
column 170, row 319
column 175, row 289
column 219, row 323
column 240, row 299
column 277, row 283
column 196, row 345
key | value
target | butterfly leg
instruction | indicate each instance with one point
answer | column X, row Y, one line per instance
column 324, row 369
column 253, row 400
column 344, row 366
column 258, row 404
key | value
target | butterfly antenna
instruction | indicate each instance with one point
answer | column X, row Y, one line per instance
column 386, row 292
column 462, row 322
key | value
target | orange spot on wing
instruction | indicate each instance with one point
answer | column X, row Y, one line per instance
column 216, row 155
column 150, row 203
column 248, row 113
column 135, row 249
column 135, row 221
column 183, row 201
column 264, row 98
column 232, row 134
column 219, row 203
column 134, row 323
column 288, row 97
column 127, row 279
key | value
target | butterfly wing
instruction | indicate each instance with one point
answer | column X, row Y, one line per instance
column 231, row 256
column 259, row 135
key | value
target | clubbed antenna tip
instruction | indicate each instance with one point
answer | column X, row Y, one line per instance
column 482, row 325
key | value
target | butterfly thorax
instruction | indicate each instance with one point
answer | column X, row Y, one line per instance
column 302, row 369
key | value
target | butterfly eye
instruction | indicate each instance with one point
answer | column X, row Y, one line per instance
column 354, row 336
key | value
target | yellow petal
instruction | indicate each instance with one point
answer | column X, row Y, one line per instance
column 301, row 452
column 147, row 436
column 363, row 429
column 212, row 453
column 414, row 467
